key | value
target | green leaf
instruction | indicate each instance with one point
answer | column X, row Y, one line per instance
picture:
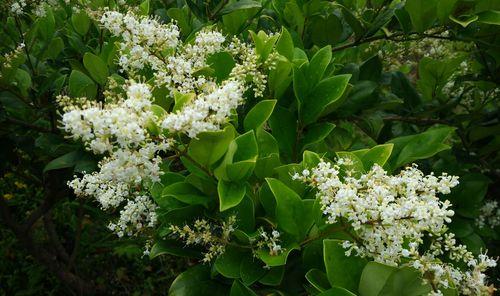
column 209, row 147
column 371, row 69
column 273, row 276
column 403, row 19
column 380, row 21
column 373, row 278
column 316, row 133
column 405, row 281
column 461, row 227
column 251, row 270
column 23, row 81
column 284, row 127
column 337, row 291
column 491, row 17
column 238, row 289
column 470, row 193
column 240, row 159
column 172, row 247
column 422, row 13
column 228, row 264
column 445, row 9
column 230, row 194
column 196, row 281
column 290, row 210
column 182, row 100
column 240, row 5
column 80, row 85
column 280, row 78
column 81, row 22
column 342, row 271
column 46, row 25
column 55, row 48
column 79, row 159
column 434, row 74
column 377, row 155
column 144, row 7
column 420, row 146
column 186, row 193
column 382, row 280
column 284, row 45
column 326, row 93
column 320, row 36
column 96, row 67
column 318, row 279
column 402, row 87
column 264, row 43
column 258, row 115
column 464, row 20
column 357, row 165
column 180, row 15
column 353, row 22
column 318, row 65
column 67, row 160
column 276, row 260
column 222, row 63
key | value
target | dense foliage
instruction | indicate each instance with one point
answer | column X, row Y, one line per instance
column 249, row 147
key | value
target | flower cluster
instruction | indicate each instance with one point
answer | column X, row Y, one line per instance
column 214, row 237
column 136, row 214
column 405, row 55
column 118, row 130
column 102, row 128
column 125, row 130
column 270, row 241
column 142, row 39
column 182, row 68
column 9, row 57
column 391, row 215
column 207, row 112
column 17, row 7
column 489, row 215
column 37, row 7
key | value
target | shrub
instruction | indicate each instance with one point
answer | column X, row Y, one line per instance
column 283, row 147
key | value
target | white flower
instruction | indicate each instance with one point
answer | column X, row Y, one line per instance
column 17, row 7
column 388, row 212
column 206, row 112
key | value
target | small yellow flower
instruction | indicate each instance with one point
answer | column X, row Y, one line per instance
column 20, row 185
column 8, row 196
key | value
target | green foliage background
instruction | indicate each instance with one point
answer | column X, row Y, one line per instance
column 388, row 82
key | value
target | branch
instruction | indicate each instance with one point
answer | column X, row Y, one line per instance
column 53, row 237
column 415, row 120
column 77, row 236
column 28, row 125
column 45, row 256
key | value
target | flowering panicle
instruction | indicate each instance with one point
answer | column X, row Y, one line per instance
column 135, row 215
column 121, row 128
column 489, row 215
column 214, row 237
column 9, row 57
column 37, row 7
column 143, row 39
column 391, row 215
column 17, row 7
column 207, row 112
column 119, row 131
column 269, row 241
column 102, row 128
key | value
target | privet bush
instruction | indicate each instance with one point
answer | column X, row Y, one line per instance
column 285, row 147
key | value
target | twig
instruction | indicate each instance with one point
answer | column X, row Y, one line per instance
column 78, row 235
column 53, row 237
column 29, row 125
